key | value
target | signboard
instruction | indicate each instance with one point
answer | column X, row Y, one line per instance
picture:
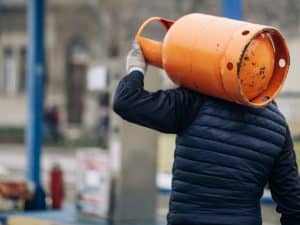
column 97, row 78
column 93, row 184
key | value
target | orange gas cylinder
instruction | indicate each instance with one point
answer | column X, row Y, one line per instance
column 237, row 61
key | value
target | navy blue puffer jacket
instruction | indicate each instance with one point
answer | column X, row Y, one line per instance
column 225, row 154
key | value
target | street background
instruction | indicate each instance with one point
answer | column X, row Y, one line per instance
column 86, row 42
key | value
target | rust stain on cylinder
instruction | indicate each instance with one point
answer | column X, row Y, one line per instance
column 256, row 66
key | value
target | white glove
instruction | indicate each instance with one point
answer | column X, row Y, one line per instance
column 135, row 59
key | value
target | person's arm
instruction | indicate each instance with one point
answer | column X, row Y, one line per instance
column 285, row 184
column 168, row 111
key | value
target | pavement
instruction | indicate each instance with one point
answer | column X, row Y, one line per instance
column 65, row 216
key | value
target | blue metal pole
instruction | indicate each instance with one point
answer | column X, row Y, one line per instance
column 36, row 10
column 232, row 9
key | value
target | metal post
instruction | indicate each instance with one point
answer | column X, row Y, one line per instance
column 232, row 9
column 133, row 152
column 36, row 9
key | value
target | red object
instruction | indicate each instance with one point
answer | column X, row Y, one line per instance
column 56, row 187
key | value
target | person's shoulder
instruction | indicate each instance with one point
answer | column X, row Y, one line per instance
column 273, row 110
column 274, row 107
column 190, row 91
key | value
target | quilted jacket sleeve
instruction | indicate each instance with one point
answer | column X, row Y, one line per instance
column 167, row 111
column 285, row 184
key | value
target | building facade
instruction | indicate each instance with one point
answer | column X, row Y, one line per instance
column 82, row 35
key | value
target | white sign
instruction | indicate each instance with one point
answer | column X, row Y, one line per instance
column 93, row 185
column 97, row 78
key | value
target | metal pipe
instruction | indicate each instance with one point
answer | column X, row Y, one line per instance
column 232, row 9
column 36, row 69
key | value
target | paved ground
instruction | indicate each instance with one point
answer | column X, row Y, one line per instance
column 12, row 164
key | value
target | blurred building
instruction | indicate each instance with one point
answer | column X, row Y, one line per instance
column 82, row 35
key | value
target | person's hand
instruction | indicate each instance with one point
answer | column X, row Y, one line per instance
column 135, row 59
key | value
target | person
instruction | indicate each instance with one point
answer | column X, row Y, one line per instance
column 52, row 123
column 225, row 153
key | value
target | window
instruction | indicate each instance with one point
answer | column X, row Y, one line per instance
column 10, row 78
column 23, row 70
